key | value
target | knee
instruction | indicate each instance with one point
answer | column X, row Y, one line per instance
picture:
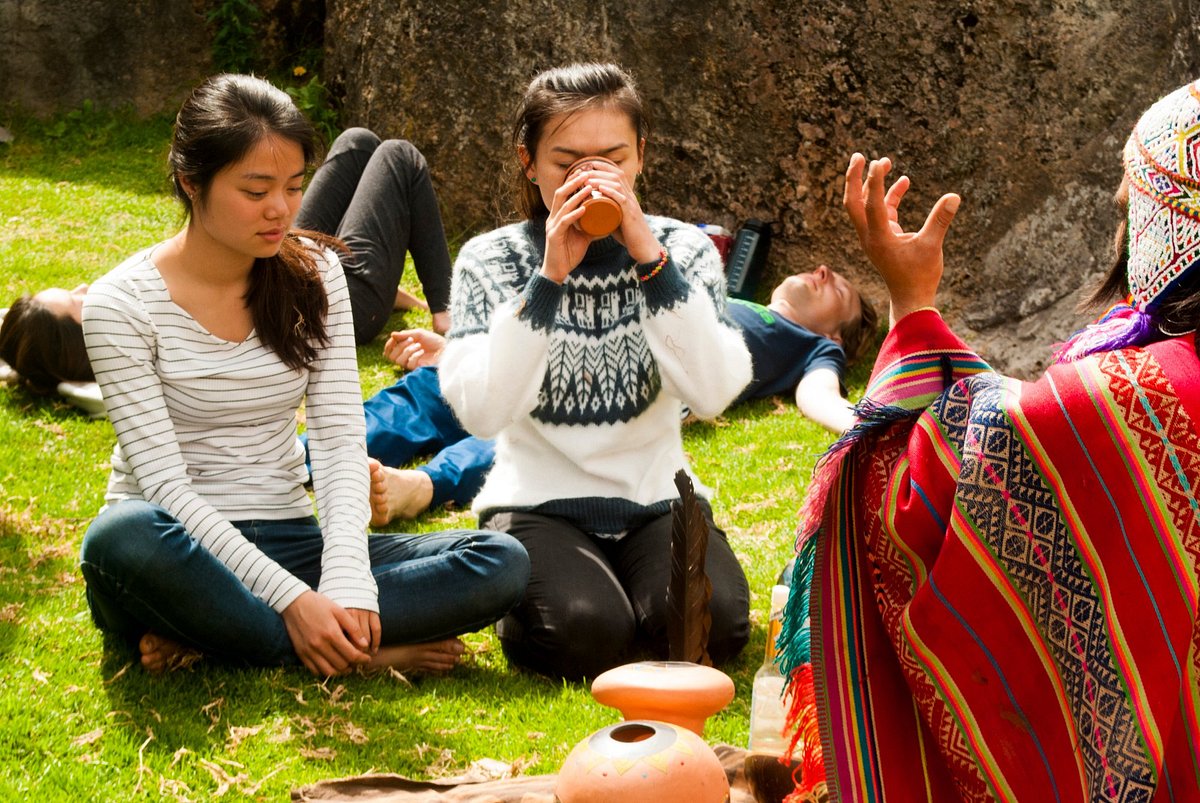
column 579, row 641
column 504, row 563
column 124, row 536
column 403, row 156
column 355, row 139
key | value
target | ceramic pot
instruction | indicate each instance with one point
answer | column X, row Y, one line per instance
column 642, row 762
column 602, row 215
column 680, row 692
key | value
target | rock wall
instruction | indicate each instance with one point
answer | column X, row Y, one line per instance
column 57, row 54
column 148, row 54
column 1020, row 105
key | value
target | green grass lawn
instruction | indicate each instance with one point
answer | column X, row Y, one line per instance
column 81, row 722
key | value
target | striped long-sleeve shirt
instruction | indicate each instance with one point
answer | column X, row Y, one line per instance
column 206, row 428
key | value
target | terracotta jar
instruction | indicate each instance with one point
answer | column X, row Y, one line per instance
column 602, row 215
column 671, row 691
column 642, row 762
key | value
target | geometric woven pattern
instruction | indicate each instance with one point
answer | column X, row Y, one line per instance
column 599, row 366
column 1162, row 158
column 1006, row 599
column 1004, row 498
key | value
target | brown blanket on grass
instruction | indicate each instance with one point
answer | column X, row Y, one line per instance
column 471, row 789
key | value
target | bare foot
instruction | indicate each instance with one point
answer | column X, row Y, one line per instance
column 406, row 300
column 160, row 654
column 436, row 656
column 397, row 493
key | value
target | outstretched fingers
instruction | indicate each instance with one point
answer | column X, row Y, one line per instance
column 891, row 202
column 876, row 198
column 852, row 195
column 937, row 223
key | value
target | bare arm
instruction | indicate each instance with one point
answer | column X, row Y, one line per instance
column 819, row 397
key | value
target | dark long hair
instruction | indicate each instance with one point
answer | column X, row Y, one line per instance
column 562, row 91
column 42, row 346
column 225, row 117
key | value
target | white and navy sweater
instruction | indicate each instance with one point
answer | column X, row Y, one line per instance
column 581, row 383
column 206, row 429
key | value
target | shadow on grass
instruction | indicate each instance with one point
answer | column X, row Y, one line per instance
column 307, row 729
column 108, row 148
column 37, row 561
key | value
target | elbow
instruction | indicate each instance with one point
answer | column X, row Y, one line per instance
column 721, row 394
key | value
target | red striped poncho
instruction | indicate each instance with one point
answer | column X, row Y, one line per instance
column 1005, row 586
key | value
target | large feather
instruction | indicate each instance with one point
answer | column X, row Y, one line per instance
column 689, row 590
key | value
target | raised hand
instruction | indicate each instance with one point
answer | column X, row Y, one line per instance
column 634, row 232
column 910, row 263
column 566, row 243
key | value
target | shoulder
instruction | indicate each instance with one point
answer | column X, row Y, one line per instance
column 326, row 258
column 676, row 233
column 506, row 256
column 128, row 282
column 688, row 245
column 513, row 237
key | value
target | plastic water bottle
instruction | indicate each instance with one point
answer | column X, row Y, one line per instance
column 767, row 715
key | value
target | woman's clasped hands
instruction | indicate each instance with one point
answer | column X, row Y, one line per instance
column 328, row 638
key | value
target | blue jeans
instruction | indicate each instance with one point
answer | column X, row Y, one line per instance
column 144, row 572
column 410, row 419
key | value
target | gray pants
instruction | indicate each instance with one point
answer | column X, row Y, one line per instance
column 377, row 197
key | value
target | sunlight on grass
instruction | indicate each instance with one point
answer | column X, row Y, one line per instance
column 78, row 721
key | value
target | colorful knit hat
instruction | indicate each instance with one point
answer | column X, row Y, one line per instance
column 1162, row 165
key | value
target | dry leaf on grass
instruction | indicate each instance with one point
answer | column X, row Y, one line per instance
column 213, row 711
column 87, row 738
column 492, row 769
column 11, row 613
column 280, row 736
column 174, row 788
column 353, row 733
column 178, row 754
column 223, row 779
column 441, row 764
column 252, row 789
column 238, row 734
column 319, row 754
column 308, row 728
column 120, row 672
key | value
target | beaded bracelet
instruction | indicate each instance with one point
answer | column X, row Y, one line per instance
column 661, row 263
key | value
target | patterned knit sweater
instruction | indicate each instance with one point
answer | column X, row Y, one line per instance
column 581, row 383
column 206, row 428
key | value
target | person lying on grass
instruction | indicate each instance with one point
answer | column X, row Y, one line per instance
column 204, row 346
